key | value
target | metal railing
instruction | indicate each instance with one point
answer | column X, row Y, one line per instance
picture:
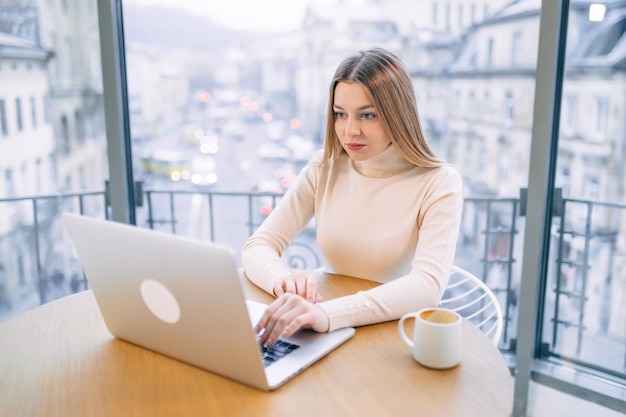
column 38, row 264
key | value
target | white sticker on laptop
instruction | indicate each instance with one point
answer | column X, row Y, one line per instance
column 160, row 301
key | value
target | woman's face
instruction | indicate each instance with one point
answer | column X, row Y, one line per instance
column 357, row 123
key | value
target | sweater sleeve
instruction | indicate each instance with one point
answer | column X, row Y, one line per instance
column 439, row 222
column 261, row 254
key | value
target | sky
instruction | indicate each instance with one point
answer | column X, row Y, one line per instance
column 262, row 15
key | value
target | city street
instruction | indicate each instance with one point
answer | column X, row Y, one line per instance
column 240, row 169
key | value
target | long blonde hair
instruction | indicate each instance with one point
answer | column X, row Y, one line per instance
column 386, row 79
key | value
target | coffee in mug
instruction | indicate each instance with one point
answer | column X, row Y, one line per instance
column 437, row 337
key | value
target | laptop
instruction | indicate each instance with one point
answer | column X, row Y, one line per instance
column 183, row 298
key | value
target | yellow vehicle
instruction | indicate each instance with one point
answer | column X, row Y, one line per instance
column 166, row 163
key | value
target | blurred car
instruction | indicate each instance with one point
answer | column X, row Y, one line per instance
column 266, row 204
column 203, row 171
column 273, row 151
column 192, row 133
column 275, row 130
column 267, row 186
column 301, row 149
column 234, row 129
column 273, row 187
column 286, row 175
column 209, row 145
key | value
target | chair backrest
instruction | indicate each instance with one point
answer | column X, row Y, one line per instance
column 472, row 299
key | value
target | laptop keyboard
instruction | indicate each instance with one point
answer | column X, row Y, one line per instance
column 280, row 349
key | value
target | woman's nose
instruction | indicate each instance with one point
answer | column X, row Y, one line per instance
column 352, row 128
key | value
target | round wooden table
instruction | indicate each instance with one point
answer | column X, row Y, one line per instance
column 60, row 360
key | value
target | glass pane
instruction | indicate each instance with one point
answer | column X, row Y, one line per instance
column 226, row 110
column 584, row 315
column 52, row 145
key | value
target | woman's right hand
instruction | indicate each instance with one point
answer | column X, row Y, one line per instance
column 286, row 315
column 300, row 283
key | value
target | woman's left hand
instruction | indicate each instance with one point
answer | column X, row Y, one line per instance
column 286, row 315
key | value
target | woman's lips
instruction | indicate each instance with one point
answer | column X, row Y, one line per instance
column 354, row 146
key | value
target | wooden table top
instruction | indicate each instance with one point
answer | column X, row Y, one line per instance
column 60, row 360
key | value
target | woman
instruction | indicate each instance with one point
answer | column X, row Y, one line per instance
column 387, row 209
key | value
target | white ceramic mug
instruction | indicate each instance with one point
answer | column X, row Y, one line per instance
column 437, row 337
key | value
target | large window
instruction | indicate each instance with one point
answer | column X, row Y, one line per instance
column 583, row 320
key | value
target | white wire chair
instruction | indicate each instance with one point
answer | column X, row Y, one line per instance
column 473, row 299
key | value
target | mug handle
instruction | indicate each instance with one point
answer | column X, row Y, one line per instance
column 403, row 335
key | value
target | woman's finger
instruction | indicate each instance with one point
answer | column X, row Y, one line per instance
column 311, row 289
column 282, row 315
column 290, row 285
column 279, row 287
column 301, row 284
column 306, row 285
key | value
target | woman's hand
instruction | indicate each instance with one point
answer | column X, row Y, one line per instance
column 287, row 314
column 299, row 283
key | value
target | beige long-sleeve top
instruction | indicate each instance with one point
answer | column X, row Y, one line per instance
column 383, row 219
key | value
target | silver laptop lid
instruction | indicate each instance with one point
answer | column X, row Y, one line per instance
column 206, row 324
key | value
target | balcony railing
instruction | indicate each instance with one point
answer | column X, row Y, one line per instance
column 585, row 289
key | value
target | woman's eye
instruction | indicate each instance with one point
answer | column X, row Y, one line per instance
column 339, row 115
column 368, row 116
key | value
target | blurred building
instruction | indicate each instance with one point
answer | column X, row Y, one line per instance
column 51, row 134
column 26, row 155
